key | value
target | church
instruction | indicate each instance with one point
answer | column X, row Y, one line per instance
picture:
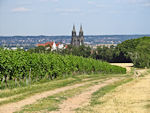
column 77, row 40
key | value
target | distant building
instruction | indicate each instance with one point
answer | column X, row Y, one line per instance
column 12, row 48
column 77, row 40
column 53, row 46
column 103, row 45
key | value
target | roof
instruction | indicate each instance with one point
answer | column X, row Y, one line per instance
column 48, row 43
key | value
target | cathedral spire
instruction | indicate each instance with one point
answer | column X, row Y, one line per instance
column 81, row 28
column 74, row 31
column 81, row 31
column 77, row 40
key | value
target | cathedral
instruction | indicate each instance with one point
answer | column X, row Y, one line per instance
column 77, row 40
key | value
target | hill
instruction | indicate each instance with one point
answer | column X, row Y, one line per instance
column 138, row 50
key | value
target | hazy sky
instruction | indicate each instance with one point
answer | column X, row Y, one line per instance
column 56, row 17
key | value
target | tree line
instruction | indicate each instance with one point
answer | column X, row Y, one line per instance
column 134, row 51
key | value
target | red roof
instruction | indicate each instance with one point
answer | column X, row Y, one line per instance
column 48, row 43
column 40, row 44
column 58, row 44
column 66, row 46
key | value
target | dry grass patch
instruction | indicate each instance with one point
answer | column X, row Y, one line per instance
column 132, row 97
column 128, row 66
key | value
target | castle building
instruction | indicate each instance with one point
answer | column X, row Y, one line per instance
column 77, row 40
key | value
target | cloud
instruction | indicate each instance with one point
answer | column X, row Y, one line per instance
column 20, row 9
column 141, row 3
column 54, row 0
column 91, row 2
column 146, row 4
column 98, row 5
column 49, row 0
column 130, row 1
column 67, row 10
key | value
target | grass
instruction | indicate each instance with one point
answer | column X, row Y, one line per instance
column 29, row 91
column 15, row 91
column 148, row 106
column 121, row 99
column 51, row 103
column 42, row 86
column 24, row 92
column 101, row 92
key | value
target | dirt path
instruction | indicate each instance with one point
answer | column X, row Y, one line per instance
column 132, row 97
column 12, row 107
column 76, row 101
column 70, row 104
column 17, row 95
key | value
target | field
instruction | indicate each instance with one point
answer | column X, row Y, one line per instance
column 21, row 68
column 97, row 93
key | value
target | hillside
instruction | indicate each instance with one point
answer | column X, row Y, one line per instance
column 138, row 50
column 23, row 68
column 97, row 93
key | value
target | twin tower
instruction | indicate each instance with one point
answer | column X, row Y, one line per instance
column 77, row 40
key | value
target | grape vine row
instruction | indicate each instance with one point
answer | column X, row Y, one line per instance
column 20, row 65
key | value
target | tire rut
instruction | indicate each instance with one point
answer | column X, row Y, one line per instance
column 12, row 107
column 69, row 105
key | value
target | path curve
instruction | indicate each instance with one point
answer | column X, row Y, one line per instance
column 83, row 99
column 132, row 97
column 12, row 107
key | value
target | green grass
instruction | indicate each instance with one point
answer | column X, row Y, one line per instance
column 51, row 103
column 29, row 91
column 63, row 81
column 25, row 92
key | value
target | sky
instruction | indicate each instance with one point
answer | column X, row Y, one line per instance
column 56, row 17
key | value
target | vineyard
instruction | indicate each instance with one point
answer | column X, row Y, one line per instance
column 22, row 67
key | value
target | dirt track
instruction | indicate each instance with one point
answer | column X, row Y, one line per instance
column 12, row 107
column 75, row 102
column 128, row 98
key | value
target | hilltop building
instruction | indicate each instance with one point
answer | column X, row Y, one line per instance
column 53, row 46
column 77, row 40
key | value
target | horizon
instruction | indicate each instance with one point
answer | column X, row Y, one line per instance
column 57, row 17
column 84, row 35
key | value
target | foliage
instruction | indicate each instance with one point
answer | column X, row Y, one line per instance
column 21, row 66
column 133, row 50
column 109, row 54
column 77, row 51
column 141, row 55
column 138, row 50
